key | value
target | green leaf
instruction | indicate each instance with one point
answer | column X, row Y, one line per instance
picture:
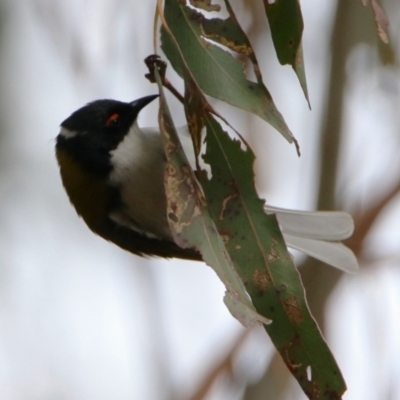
column 255, row 244
column 258, row 251
column 300, row 71
column 190, row 221
column 228, row 32
column 286, row 24
column 215, row 71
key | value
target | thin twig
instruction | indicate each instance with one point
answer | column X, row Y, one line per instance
column 154, row 61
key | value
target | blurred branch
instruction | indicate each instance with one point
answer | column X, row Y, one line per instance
column 4, row 16
column 225, row 366
column 318, row 280
column 273, row 385
column 364, row 222
column 346, row 34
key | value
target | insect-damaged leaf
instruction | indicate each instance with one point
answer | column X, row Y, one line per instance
column 215, row 70
column 286, row 24
column 230, row 34
column 263, row 265
column 190, row 222
column 205, row 5
column 257, row 249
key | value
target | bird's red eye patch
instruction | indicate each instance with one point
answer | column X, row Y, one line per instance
column 112, row 120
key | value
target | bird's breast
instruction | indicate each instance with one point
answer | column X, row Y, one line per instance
column 138, row 173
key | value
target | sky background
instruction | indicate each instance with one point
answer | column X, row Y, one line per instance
column 80, row 318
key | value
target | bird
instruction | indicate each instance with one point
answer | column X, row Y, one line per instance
column 113, row 173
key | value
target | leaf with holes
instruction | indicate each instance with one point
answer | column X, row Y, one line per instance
column 258, row 251
column 190, row 222
column 214, row 69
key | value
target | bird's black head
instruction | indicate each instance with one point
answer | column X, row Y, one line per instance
column 93, row 131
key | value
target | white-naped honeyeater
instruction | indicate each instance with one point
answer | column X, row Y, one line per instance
column 113, row 173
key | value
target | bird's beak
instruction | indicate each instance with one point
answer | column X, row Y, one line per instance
column 138, row 104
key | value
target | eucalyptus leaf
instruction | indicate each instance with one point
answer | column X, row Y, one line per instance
column 258, row 251
column 252, row 240
column 214, row 69
column 190, row 222
column 286, row 24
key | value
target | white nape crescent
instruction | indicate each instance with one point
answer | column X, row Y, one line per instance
column 67, row 133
